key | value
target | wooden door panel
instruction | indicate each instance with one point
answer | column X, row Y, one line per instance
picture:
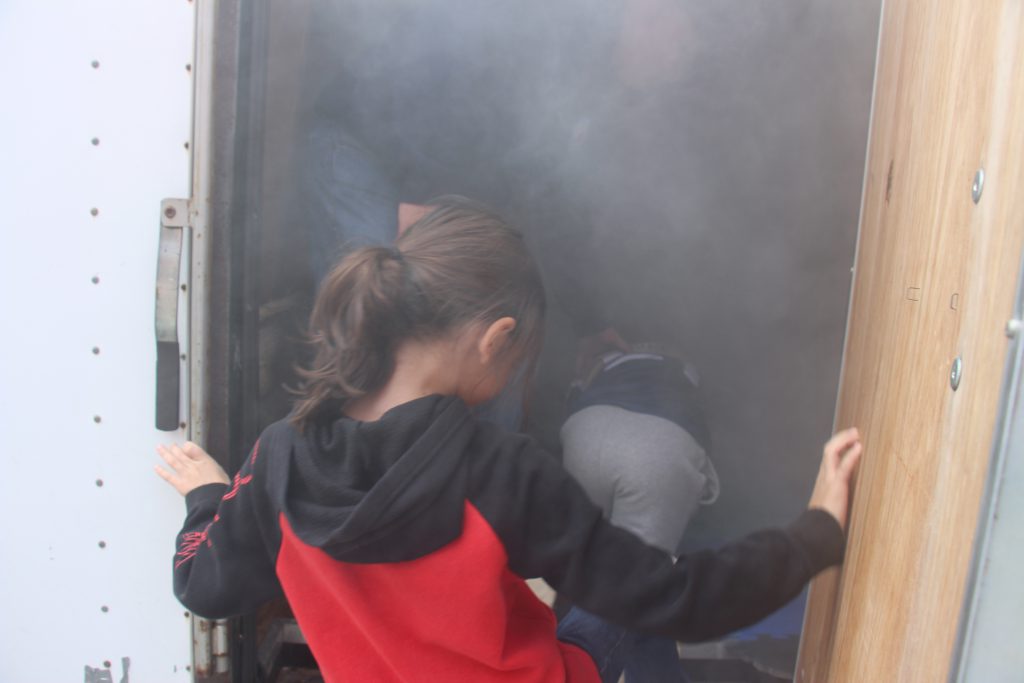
column 935, row 279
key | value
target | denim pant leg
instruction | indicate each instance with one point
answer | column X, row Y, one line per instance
column 347, row 199
column 608, row 645
column 654, row 660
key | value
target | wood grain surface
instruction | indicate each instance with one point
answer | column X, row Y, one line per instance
column 935, row 279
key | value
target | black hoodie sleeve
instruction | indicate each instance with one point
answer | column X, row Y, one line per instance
column 552, row 530
column 223, row 566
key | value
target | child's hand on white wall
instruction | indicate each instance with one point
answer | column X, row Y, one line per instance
column 192, row 467
column 832, row 489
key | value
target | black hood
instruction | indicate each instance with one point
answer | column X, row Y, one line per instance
column 384, row 491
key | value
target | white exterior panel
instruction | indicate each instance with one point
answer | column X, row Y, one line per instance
column 136, row 104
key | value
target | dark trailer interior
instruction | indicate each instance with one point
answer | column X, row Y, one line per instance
column 688, row 172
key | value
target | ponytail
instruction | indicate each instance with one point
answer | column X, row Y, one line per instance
column 360, row 316
column 458, row 264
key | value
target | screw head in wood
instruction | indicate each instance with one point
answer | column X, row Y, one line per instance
column 956, row 373
column 978, row 186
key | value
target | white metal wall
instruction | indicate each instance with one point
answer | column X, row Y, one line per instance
column 95, row 118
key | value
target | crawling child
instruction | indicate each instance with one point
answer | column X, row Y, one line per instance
column 636, row 441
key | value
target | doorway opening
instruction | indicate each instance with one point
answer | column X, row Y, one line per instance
column 688, row 174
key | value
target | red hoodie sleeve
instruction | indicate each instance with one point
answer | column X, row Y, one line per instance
column 551, row 529
column 223, row 566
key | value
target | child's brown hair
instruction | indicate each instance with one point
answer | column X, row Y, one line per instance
column 459, row 264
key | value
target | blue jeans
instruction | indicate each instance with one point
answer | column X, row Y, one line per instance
column 654, row 660
column 645, row 659
column 608, row 645
column 347, row 199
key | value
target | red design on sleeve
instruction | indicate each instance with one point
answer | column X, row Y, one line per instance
column 238, row 483
column 191, row 541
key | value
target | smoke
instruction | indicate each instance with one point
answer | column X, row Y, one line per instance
column 689, row 170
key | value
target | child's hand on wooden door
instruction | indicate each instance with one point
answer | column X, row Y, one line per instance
column 832, row 489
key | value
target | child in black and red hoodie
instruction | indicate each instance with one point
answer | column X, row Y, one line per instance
column 402, row 529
